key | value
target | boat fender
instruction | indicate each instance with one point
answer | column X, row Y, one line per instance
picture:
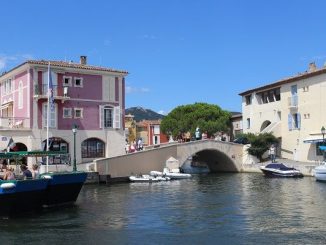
column 7, row 186
column 46, row 177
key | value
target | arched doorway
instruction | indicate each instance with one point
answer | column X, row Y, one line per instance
column 56, row 144
column 18, row 147
column 93, row 148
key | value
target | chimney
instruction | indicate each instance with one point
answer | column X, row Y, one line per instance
column 312, row 67
column 83, row 60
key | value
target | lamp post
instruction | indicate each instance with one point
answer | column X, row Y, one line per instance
column 74, row 131
column 323, row 131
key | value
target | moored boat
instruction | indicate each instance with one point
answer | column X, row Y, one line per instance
column 280, row 170
column 173, row 174
column 147, row 178
column 320, row 172
column 17, row 196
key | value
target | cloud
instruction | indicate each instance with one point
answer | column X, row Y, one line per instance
column 162, row 112
column 133, row 90
column 7, row 61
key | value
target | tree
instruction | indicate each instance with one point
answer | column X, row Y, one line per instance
column 185, row 118
column 260, row 143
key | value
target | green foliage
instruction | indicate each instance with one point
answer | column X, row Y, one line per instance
column 260, row 143
column 185, row 118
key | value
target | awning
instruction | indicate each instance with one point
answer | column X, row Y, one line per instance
column 322, row 147
column 313, row 139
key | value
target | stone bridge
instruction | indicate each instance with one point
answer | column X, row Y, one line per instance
column 220, row 156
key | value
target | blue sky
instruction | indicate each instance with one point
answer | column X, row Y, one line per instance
column 177, row 51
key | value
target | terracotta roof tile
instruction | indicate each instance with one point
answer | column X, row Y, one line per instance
column 73, row 65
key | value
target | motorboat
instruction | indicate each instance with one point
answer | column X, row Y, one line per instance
column 320, row 172
column 147, row 178
column 280, row 170
column 173, row 174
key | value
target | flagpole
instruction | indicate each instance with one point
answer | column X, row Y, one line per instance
column 47, row 120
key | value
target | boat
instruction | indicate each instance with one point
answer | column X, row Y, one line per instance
column 280, row 170
column 172, row 174
column 50, row 189
column 320, row 171
column 17, row 196
column 147, row 178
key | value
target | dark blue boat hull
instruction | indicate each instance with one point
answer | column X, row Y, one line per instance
column 63, row 188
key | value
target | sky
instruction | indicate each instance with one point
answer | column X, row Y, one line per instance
column 177, row 52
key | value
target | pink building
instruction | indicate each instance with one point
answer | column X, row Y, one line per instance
column 90, row 97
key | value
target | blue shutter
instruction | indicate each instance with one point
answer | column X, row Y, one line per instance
column 290, row 121
column 299, row 120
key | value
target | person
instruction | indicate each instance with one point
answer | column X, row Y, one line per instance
column 27, row 174
column 9, row 174
column 272, row 152
column 35, row 172
column 140, row 144
column 197, row 133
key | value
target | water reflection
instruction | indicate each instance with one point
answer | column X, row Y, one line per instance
column 210, row 209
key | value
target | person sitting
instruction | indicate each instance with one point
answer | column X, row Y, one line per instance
column 35, row 172
column 9, row 174
column 27, row 174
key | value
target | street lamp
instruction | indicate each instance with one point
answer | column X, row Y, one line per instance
column 323, row 131
column 74, row 131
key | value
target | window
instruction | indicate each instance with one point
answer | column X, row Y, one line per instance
column 248, row 99
column 92, row 148
column 20, row 95
column 78, row 113
column 78, row 82
column 110, row 117
column 67, row 113
column 294, row 121
column 248, row 123
column 66, row 81
column 53, row 116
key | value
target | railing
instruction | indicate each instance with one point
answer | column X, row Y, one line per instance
column 293, row 101
column 14, row 122
column 57, row 90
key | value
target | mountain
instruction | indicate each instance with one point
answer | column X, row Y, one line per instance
column 143, row 114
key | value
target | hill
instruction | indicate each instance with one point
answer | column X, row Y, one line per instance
column 143, row 114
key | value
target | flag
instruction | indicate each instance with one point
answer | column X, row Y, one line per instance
column 50, row 89
column 11, row 144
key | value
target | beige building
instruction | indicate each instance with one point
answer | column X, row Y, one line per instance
column 293, row 110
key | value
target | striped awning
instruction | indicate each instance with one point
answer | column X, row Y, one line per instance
column 313, row 139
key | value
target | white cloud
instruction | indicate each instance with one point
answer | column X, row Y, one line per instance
column 162, row 112
column 148, row 36
column 133, row 90
column 7, row 61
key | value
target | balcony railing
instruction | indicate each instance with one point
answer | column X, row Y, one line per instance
column 14, row 123
column 58, row 91
column 293, row 101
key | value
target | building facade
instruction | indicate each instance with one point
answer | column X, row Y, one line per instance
column 150, row 132
column 293, row 110
column 90, row 98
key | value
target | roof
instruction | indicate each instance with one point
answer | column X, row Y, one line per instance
column 65, row 64
column 300, row 76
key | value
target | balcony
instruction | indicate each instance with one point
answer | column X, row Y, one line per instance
column 293, row 101
column 59, row 92
column 14, row 123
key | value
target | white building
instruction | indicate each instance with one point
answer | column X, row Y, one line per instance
column 293, row 110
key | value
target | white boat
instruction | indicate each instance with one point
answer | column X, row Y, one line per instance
column 173, row 174
column 280, row 170
column 320, row 172
column 147, row 178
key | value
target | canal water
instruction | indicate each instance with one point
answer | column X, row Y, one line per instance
column 207, row 209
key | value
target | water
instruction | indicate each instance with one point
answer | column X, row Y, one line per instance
column 209, row 209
